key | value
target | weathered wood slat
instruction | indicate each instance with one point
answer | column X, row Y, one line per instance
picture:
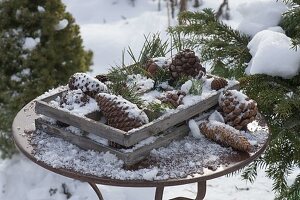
column 83, row 123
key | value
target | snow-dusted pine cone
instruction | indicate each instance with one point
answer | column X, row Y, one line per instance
column 174, row 98
column 225, row 135
column 154, row 64
column 218, row 83
column 238, row 109
column 88, row 84
column 186, row 63
column 120, row 113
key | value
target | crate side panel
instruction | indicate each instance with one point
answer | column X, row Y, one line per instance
column 80, row 141
column 167, row 137
column 82, row 123
column 173, row 119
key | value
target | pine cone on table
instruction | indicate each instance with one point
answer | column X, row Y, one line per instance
column 218, row 83
column 225, row 135
column 175, row 99
column 238, row 109
column 88, row 84
column 186, row 63
column 153, row 65
column 120, row 113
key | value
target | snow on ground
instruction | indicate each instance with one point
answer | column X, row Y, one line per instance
column 27, row 181
column 107, row 27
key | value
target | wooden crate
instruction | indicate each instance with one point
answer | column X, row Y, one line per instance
column 127, row 139
column 130, row 157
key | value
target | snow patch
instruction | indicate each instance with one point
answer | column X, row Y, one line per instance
column 41, row 9
column 272, row 55
column 30, row 43
column 216, row 116
column 62, row 24
column 194, row 128
column 260, row 15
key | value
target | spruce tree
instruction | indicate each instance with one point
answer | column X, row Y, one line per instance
column 278, row 99
column 40, row 47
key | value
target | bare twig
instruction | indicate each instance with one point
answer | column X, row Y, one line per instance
column 221, row 11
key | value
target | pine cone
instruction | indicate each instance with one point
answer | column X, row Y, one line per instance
column 186, row 63
column 238, row 110
column 174, row 98
column 102, row 78
column 151, row 67
column 154, row 64
column 120, row 113
column 225, row 135
column 218, row 83
column 89, row 85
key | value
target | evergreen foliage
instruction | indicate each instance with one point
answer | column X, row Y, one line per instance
column 218, row 43
column 152, row 47
column 290, row 22
column 37, row 52
column 278, row 99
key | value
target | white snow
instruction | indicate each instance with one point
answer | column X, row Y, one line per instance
column 142, row 83
column 107, row 27
column 73, row 103
column 187, row 86
column 62, row 24
column 30, row 43
column 216, row 116
column 41, row 9
column 15, row 78
column 162, row 61
column 272, row 55
column 260, row 15
column 194, row 128
column 22, row 179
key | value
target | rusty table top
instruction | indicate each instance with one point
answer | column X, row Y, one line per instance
column 23, row 126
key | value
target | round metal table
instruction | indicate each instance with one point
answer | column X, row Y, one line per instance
column 24, row 126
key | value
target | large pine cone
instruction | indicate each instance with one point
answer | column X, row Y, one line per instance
column 186, row 63
column 218, row 83
column 120, row 113
column 238, row 109
column 225, row 135
column 88, row 84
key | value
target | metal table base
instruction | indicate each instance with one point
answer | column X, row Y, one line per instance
column 159, row 192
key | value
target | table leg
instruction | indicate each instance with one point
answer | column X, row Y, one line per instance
column 97, row 191
column 159, row 192
column 200, row 193
column 201, row 190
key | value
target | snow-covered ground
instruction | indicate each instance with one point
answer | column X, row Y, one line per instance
column 107, row 27
column 21, row 179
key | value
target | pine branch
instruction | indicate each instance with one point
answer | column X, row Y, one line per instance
column 218, row 43
column 290, row 23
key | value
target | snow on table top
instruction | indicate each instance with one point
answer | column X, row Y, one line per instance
column 181, row 159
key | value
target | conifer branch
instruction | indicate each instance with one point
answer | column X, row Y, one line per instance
column 218, row 43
